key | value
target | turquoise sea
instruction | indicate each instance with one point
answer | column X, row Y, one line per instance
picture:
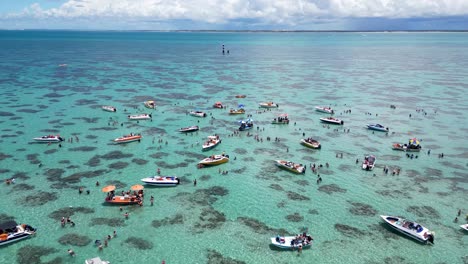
column 229, row 218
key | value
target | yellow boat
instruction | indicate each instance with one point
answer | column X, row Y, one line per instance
column 214, row 160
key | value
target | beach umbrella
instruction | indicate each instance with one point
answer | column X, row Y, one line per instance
column 109, row 188
column 137, row 187
column 241, row 105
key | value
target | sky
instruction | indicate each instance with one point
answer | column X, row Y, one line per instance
column 235, row 14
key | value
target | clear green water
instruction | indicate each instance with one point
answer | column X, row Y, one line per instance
column 231, row 217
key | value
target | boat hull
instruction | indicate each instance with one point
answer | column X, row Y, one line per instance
column 218, row 159
column 297, row 168
column 268, row 105
column 162, row 181
column 198, row 114
column 324, row 110
column 311, row 145
column 15, row 239
column 423, row 236
column 121, row 200
column 285, row 243
column 109, row 108
column 139, row 117
column 44, row 139
column 189, row 129
column 150, row 104
column 127, row 140
column 464, row 227
column 332, row 121
column 375, row 128
column 207, row 146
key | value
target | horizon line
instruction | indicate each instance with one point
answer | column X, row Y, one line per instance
column 240, row 30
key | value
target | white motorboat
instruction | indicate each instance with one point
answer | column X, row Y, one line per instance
column 212, row 142
column 464, row 227
column 140, row 117
column 291, row 166
column 127, row 138
column 109, row 108
column 214, row 160
column 368, row 163
column 10, row 232
column 49, row 139
column 189, row 129
column 96, row 260
column 292, row 242
column 332, row 120
column 324, row 109
column 410, row 228
column 377, row 127
column 150, row 104
column 268, row 105
column 310, row 143
column 197, row 113
column 165, row 181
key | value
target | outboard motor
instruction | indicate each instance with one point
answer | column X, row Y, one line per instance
column 430, row 238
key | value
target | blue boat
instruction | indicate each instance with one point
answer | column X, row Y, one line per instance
column 246, row 124
column 377, row 127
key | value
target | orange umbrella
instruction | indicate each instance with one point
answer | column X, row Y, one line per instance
column 109, row 188
column 137, row 187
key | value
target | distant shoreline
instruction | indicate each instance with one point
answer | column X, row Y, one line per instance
column 248, row 31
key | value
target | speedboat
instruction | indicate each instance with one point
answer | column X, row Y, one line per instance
column 368, row 163
column 239, row 111
column 218, row 105
column 410, row 228
column 189, row 129
column 212, row 142
column 246, row 124
column 197, row 113
column 268, row 105
column 464, row 227
column 109, row 108
column 140, row 117
column 324, row 109
column 332, row 120
column 377, row 127
column 166, row 181
column 49, row 139
column 281, row 119
column 150, row 104
column 214, row 160
column 10, row 232
column 292, row 242
column 96, row 260
column 128, row 138
column 310, row 143
column 291, row 166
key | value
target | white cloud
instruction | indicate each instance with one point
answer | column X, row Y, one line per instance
column 272, row 12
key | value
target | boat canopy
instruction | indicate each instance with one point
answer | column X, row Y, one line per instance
column 8, row 226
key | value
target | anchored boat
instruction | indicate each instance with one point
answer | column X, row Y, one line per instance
column 49, row 139
column 10, row 232
column 165, row 181
column 409, row 228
